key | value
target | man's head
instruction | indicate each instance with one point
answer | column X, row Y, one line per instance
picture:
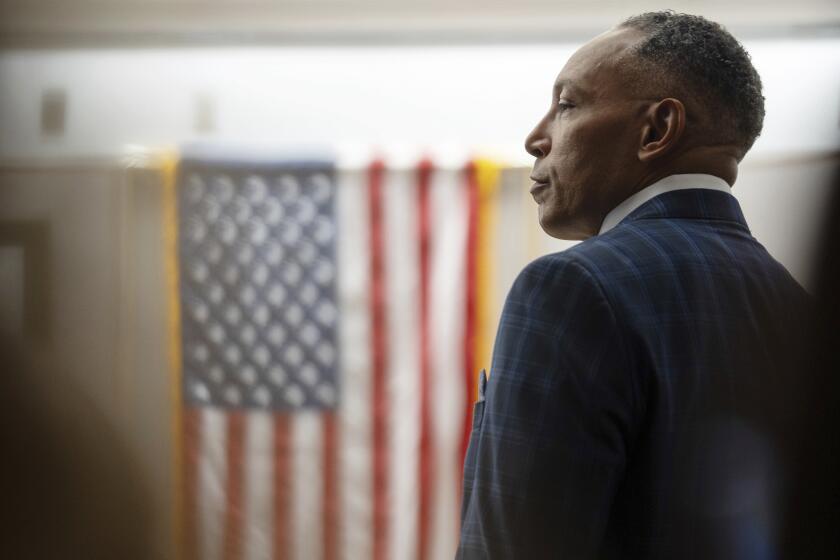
column 661, row 93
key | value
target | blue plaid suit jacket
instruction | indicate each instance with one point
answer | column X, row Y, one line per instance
column 635, row 382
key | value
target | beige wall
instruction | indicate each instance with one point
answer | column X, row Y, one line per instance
column 105, row 315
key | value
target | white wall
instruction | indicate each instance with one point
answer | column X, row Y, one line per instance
column 423, row 95
column 452, row 99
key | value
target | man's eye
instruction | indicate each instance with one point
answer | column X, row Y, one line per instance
column 564, row 105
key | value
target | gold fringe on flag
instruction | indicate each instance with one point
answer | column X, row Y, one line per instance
column 487, row 175
column 168, row 165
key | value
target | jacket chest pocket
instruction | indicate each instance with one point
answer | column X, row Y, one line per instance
column 472, row 448
column 478, row 416
column 477, row 421
column 478, row 407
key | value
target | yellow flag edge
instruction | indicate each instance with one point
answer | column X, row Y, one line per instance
column 168, row 165
column 488, row 173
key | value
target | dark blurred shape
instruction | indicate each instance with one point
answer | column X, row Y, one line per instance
column 204, row 118
column 53, row 112
column 25, row 258
column 70, row 488
column 812, row 520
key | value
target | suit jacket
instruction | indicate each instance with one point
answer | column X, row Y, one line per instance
column 637, row 395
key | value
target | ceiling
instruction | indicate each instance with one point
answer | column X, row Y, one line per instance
column 34, row 23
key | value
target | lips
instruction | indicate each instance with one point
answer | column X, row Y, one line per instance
column 538, row 187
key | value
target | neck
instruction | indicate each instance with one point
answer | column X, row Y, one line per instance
column 720, row 161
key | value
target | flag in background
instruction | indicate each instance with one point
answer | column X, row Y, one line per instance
column 331, row 324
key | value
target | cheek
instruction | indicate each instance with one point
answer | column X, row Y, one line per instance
column 588, row 154
column 559, row 205
column 570, row 170
column 572, row 153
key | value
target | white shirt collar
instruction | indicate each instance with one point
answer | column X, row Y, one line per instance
column 668, row 184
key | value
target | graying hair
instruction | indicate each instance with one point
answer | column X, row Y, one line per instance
column 704, row 61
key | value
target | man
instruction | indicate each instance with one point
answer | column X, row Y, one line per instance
column 636, row 389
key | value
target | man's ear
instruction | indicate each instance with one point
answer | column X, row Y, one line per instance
column 664, row 124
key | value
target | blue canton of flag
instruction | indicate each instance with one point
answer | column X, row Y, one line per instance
column 258, row 285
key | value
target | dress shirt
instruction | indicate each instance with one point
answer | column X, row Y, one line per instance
column 668, row 184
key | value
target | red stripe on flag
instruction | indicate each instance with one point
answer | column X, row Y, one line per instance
column 330, row 503
column 379, row 402
column 425, row 474
column 235, row 458
column 469, row 327
column 192, row 438
column 282, row 486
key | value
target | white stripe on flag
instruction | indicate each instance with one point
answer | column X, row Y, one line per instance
column 308, row 475
column 355, row 482
column 212, row 476
column 403, row 368
column 447, row 314
column 259, row 468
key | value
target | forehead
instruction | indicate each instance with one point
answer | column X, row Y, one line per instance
column 593, row 66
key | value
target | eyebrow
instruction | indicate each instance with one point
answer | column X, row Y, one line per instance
column 560, row 85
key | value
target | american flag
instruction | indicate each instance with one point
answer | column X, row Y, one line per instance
column 327, row 351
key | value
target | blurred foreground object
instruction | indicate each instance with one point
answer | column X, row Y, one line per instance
column 812, row 509
column 70, row 487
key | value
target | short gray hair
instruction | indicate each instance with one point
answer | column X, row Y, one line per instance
column 703, row 60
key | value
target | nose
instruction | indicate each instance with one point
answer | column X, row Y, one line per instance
column 538, row 143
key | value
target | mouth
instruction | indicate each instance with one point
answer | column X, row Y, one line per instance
column 538, row 187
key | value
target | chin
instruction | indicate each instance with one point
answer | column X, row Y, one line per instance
column 564, row 227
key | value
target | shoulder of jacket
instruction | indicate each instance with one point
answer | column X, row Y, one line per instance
column 588, row 262
column 561, row 267
column 581, row 257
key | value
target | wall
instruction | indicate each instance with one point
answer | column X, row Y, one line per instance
column 385, row 95
column 106, row 280
column 449, row 100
